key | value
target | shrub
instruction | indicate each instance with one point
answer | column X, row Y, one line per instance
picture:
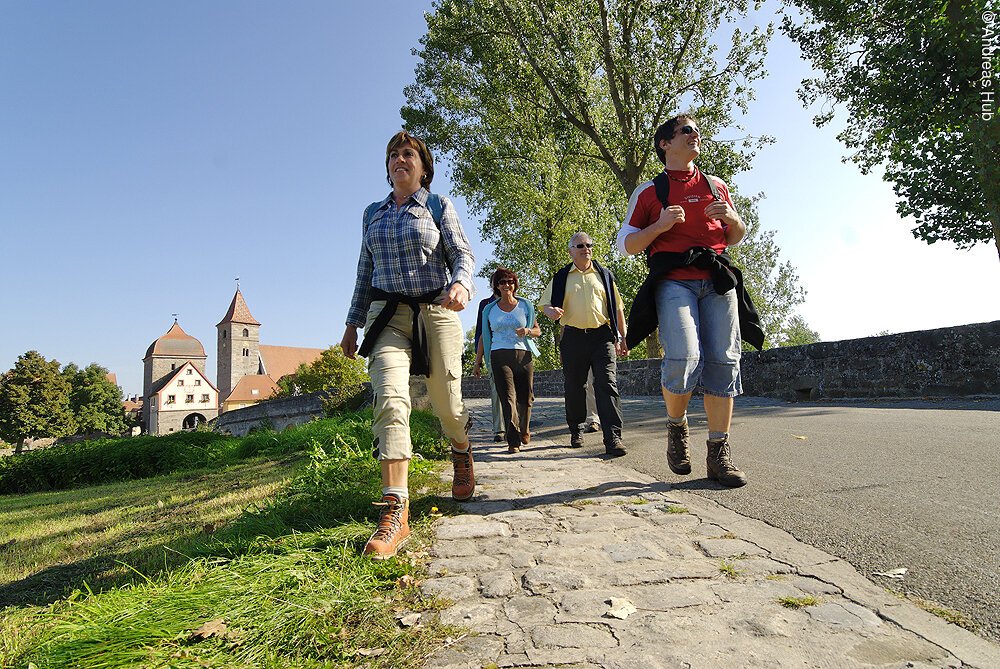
column 105, row 460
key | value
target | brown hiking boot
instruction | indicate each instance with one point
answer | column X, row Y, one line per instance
column 721, row 467
column 576, row 440
column 525, row 438
column 393, row 529
column 463, row 484
column 678, row 452
column 616, row 448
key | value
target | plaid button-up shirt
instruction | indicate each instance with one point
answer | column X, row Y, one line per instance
column 402, row 251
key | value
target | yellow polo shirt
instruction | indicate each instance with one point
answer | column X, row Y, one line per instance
column 585, row 304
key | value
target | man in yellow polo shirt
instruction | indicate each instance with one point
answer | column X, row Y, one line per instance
column 584, row 297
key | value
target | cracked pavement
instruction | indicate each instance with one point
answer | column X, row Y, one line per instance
column 564, row 558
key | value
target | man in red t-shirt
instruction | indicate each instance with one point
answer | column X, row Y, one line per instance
column 699, row 328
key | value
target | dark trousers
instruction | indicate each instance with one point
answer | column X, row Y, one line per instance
column 582, row 351
column 514, row 376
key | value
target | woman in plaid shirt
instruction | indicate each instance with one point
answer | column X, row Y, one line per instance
column 414, row 276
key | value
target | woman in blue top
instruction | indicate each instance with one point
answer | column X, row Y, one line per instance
column 508, row 322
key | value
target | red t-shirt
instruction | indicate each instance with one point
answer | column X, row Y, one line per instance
column 696, row 230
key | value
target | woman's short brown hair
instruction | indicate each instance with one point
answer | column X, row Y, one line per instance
column 501, row 274
column 403, row 138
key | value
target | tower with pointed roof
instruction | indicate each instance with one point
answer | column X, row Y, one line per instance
column 238, row 346
column 164, row 359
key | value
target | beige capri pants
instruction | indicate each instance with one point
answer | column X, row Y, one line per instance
column 389, row 368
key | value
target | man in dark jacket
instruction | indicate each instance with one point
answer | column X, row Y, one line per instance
column 584, row 297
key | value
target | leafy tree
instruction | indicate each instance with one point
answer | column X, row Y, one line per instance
column 332, row 372
column 96, row 402
column 913, row 77
column 547, row 110
column 773, row 285
column 610, row 70
column 34, row 401
column 798, row 333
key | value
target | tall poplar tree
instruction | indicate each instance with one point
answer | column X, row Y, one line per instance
column 547, row 109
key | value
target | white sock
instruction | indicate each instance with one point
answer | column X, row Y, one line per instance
column 401, row 493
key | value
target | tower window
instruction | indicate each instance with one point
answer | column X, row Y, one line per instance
column 180, row 382
column 246, row 332
column 246, row 353
column 190, row 371
column 171, row 399
column 204, row 397
column 172, row 367
column 197, row 382
column 223, row 334
column 189, row 398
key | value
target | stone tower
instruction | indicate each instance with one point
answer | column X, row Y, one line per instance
column 239, row 346
column 163, row 357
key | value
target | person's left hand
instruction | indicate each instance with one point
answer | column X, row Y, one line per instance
column 721, row 210
column 621, row 348
column 457, row 297
column 521, row 332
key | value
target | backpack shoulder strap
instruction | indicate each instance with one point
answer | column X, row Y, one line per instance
column 436, row 205
column 370, row 213
column 712, row 186
column 662, row 185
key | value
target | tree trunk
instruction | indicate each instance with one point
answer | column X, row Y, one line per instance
column 19, row 447
column 653, row 349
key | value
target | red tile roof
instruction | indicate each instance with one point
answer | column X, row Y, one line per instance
column 176, row 344
column 238, row 312
column 279, row 361
column 244, row 390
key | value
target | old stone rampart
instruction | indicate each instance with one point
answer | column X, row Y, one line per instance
column 272, row 414
column 947, row 362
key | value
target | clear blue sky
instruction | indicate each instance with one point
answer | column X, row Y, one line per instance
column 151, row 152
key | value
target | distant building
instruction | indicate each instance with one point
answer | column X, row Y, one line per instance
column 247, row 372
column 177, row 394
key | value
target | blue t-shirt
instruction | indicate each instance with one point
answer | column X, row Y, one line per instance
column 503, row 326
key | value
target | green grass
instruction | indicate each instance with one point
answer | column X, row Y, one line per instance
column 950, row 615
column 798, row 602
column 61, row 537
column 676, row 508
column 107, row 460
column 281, row 566
column 729, row 570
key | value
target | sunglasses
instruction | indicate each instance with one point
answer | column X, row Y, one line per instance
column 584, row 246
column 505, row 282
column 689, row 130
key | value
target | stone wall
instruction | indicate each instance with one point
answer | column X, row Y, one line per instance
column 288, row 411
column 947, row 362
column 272, row 414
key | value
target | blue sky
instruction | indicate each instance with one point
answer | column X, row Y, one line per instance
column 152, row 152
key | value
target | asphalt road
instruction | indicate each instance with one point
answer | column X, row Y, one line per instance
column 881, row 484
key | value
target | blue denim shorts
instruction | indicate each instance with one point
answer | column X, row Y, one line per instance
column 700, row 336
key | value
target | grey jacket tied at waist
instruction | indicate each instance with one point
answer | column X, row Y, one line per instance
column 726, row 276
column 420, row 361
